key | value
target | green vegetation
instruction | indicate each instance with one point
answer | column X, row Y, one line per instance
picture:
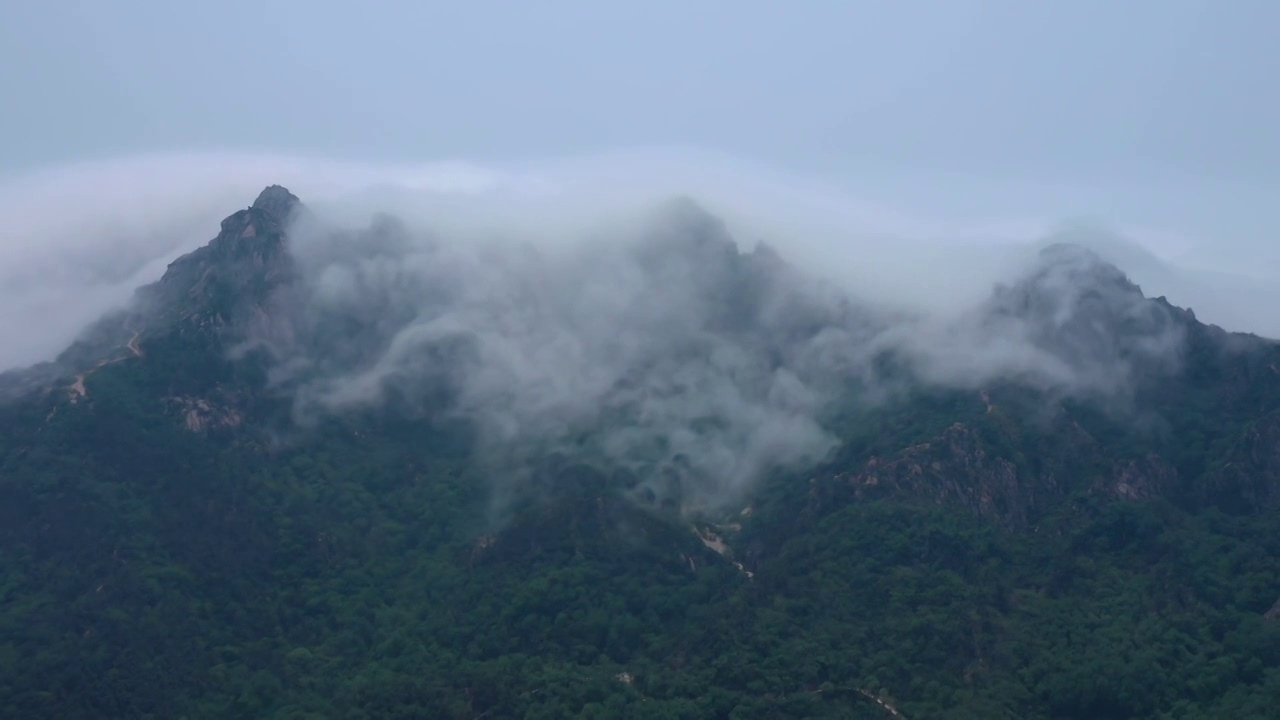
column 148, row 571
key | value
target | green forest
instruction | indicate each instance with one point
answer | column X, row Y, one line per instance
column 147, row 571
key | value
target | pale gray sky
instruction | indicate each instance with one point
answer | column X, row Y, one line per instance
column 1157, row 116
column 1072, row 90
column 1161, row 107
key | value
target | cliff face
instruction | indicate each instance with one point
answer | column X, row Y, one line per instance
column 1015, row 467
column 955, row 468
column 233, row 277
column 998, row 481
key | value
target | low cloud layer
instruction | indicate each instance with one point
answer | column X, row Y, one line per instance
column 655, row 338
column 652, row 341
column 77, row 239
column 551, row 300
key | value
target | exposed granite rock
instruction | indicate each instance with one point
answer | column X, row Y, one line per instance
column 956, row 467
column 235, row 273
column 959, row 467
column 1139, row 479
column 226, row 285
column 202, row 415
column 207, row 304
column 1274, row 613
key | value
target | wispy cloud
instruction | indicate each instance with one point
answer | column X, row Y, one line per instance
column 547, row 300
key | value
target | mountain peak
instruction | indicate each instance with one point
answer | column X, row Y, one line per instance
column 1074, row 262
column 237, row 270
column 1086, row 312
column 277, row 202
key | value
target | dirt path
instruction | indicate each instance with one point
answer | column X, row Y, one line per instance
column 132, row 345
column 77, row 389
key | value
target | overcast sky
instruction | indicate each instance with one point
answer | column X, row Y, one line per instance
column 1076, row 89
column 1167, row 104
column 1158, row 116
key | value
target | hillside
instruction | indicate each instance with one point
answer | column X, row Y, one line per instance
column 317, row 472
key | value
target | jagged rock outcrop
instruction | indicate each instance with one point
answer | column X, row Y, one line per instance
column 221, row 410
column 1012, row 484
column 190, row 322
column 234, row 275
column 955, row 467
column 1139, row 478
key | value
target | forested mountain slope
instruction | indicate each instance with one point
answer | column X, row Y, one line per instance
column 265, row 489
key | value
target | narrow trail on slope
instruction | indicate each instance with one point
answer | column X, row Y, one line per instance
column 77, row 389
column 132, row 345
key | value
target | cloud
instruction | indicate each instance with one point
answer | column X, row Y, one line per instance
column 77, row 240
column 581, row 304
column 657, row 343
column 652, row 337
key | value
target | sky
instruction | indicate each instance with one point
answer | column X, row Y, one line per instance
column 1078, row 91
column 1152, row 116
column 1165, row 91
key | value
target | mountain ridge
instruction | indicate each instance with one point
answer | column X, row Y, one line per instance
column 948, row 547
column 230, row 294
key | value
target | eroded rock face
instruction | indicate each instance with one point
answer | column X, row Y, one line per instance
column 202, row 415
column 236, row 273
column 955, row 467
column 1139, row 479
column 961, row 468
column 1274, row 613
column 219, row 294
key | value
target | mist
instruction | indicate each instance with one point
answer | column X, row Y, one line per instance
column 78, row 239
column 687, row 317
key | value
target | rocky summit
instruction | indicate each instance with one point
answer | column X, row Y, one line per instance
column 318, row 472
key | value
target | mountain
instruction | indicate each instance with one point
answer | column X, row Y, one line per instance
column 329, row 472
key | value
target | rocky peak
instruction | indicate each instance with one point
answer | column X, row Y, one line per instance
column 1088, row 313
column 244, row 262
column 225, row 290
column 277, row 203
column 221, row 292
